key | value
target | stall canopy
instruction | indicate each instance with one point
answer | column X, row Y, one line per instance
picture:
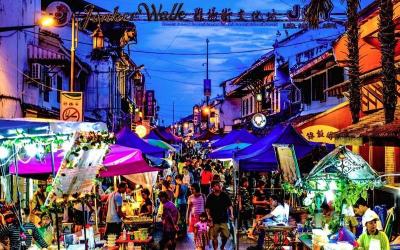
column 163, row 134
column 35, row 126
column 235, row 136
column 226, row 152
column 127, row 138
column 261, row 155
column 119, row 161
column 343, row 163
column 153, row 135
column 160, row 144
column 207, row 136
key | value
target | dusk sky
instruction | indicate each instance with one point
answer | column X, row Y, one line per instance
column 178, row 78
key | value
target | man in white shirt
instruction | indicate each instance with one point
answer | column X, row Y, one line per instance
column 361, row 209
column 114, row 211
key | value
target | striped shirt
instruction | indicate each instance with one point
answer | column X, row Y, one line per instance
column 31, row 232
column 197, row 204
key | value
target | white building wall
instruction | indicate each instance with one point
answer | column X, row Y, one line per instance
column 229, row 110
column 13, row 52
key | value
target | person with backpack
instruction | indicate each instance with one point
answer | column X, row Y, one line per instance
column 196, row 206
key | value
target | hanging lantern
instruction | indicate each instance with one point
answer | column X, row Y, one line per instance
column 98, row 38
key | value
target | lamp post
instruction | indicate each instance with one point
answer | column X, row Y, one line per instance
column 74, row 44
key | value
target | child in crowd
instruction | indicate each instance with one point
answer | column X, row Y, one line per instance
column 46, row 229
column 201, row 229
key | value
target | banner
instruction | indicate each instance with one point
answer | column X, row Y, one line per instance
column 196, row 115
column 150, row 103
column 71, row 106
column 207, row 87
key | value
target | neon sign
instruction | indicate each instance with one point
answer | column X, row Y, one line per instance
column 146, row 12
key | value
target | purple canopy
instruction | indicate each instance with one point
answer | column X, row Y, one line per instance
column 125, row 161
column 163, row 134
column 127, row 138
column 119, row 161
column 235, row 136
column 261, row 155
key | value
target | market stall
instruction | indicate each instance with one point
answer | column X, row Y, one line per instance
column 125, row 137
column 235, row 136
column 84, row 146
column 340, row 178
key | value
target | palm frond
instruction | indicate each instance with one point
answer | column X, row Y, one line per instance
column 316, row 10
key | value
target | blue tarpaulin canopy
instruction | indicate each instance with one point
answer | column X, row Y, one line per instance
column 261, row 155
column 235, row 136
column 153, row 135
column 125, row 137
column 226, row 152
column 163, row 134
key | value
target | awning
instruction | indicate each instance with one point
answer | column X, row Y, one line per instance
column 119, row 161
column 235, row 136
column 261, row 155
column 39, row 54
column 311, row 63
column 371, row 128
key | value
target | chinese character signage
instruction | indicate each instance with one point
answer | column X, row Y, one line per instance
column 139, row 89
column 196, row 115
column 150, row 103
column 319, row 133
column 207, row 87
column 71, row 106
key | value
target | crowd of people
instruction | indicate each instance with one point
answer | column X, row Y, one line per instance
column 196, row 196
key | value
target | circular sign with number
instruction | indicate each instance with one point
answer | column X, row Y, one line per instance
column 259, row 120
column 71, row 114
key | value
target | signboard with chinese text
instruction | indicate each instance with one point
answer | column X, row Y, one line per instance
column 319, row 133
column 207, row 87
column 150, row 103
column 71, row 106
column 139, row 89
column 196, row 115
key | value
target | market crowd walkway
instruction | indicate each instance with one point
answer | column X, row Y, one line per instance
column 188, row 243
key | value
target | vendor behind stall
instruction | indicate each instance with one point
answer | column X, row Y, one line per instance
column 372, row 238
column 361, row 208
column 146, row 207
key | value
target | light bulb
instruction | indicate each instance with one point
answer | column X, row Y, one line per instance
column 4, row 152
column 31, row 150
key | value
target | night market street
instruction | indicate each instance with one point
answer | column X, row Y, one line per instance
column 218, row 125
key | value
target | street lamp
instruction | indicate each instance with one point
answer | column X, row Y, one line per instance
column 44, row 21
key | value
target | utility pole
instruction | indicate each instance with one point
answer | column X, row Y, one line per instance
column 173, row 115
column 207, row 86
column 207, row 97
column 74, row 43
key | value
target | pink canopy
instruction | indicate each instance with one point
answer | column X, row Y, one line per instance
column 119, row 161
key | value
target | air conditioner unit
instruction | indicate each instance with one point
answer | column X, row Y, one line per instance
column 37, row 71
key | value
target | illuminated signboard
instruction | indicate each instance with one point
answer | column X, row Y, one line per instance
column 150, row 103
column 319, row 133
